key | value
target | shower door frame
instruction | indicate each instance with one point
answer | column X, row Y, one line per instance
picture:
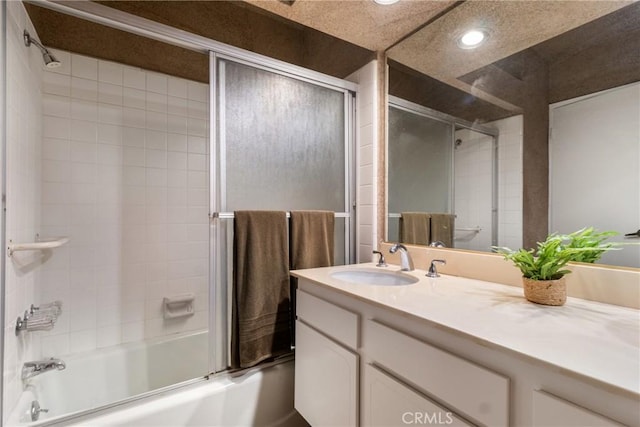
column 3, row 190
column 218, row 295
column 455, row 123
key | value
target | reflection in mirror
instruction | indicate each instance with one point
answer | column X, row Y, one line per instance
column 579, row 56
column 611, row 199
column 475, row 157
column 441, row 179
column 419, row 171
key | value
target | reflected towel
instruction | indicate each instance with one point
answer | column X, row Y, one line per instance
column 442, row 228
column 414, row 228
column 260, row 301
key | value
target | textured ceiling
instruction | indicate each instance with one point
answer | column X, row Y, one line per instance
column 338, row 37
column 513, row 26
column 361, row 22
column 421, row 34
column 599, row 55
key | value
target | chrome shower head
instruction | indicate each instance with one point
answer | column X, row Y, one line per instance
column 50, row 61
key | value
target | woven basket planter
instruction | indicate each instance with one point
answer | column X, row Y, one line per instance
column 547, row 292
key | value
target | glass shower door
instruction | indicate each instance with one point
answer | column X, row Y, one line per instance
column 439, row 163
column 420, row 168
column 282, row 143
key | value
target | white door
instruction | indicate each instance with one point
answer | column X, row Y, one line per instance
column 595, row 167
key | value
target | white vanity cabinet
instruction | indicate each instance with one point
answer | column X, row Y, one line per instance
column 460, row 352
column 326, row 370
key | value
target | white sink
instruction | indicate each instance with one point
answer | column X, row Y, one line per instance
column 375, row 277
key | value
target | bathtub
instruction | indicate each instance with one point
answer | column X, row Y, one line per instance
column 98, row 378
column 260, row 397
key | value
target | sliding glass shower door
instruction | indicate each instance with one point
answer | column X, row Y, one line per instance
column 282, row 142
column 439, row 163
column 419, row 165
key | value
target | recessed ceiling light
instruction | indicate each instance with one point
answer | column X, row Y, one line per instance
column 386, row 2
column 472, row 38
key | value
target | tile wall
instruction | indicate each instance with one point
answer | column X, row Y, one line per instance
column 473, row 159
column 366, row 155
column 23, row 123
column 473, row 189
column 473, row 186
column 509, row 181
column 125, row 175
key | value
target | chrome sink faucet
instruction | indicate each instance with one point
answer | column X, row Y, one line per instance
column 31, row 369
column 406, row 263
column 381, row 261
column 433, row 271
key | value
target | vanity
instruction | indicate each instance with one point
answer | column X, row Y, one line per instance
column 372, row 350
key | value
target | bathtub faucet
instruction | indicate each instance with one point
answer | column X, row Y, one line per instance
column 31, row 369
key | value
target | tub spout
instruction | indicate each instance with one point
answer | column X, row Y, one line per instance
column 31, row 369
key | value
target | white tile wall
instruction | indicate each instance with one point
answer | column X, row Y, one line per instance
column 366, row 157
column 125, row 164
column 473, row 190
column 23, row 128
column 509, row 181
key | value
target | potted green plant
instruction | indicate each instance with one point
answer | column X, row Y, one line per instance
column 543, row 269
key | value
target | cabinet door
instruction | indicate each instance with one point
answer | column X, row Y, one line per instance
column 326, row 378
column 478, row 393
column 388, row 402
column 549, row 410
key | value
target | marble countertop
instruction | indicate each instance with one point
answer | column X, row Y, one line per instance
column 594, row 340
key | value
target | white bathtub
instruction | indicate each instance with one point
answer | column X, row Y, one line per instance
column 261, row 397
column 102, row 377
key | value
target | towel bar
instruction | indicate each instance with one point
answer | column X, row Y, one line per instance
column 229, row 215
column 474, row 229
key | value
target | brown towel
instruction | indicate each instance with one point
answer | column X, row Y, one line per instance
column 442, row 227
column 414, row 228
column 260, row 305
column 312, row 235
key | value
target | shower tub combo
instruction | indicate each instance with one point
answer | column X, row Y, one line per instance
column 262, row 396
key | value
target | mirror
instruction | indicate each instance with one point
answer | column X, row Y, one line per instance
column 538, row 72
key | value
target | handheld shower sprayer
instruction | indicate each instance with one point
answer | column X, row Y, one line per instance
column 50, row 61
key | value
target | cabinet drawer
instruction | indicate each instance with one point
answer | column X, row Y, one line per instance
column 336, row 322
column 388, row 402
column 550, row 410
column 469, row 389
column 326, row 380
